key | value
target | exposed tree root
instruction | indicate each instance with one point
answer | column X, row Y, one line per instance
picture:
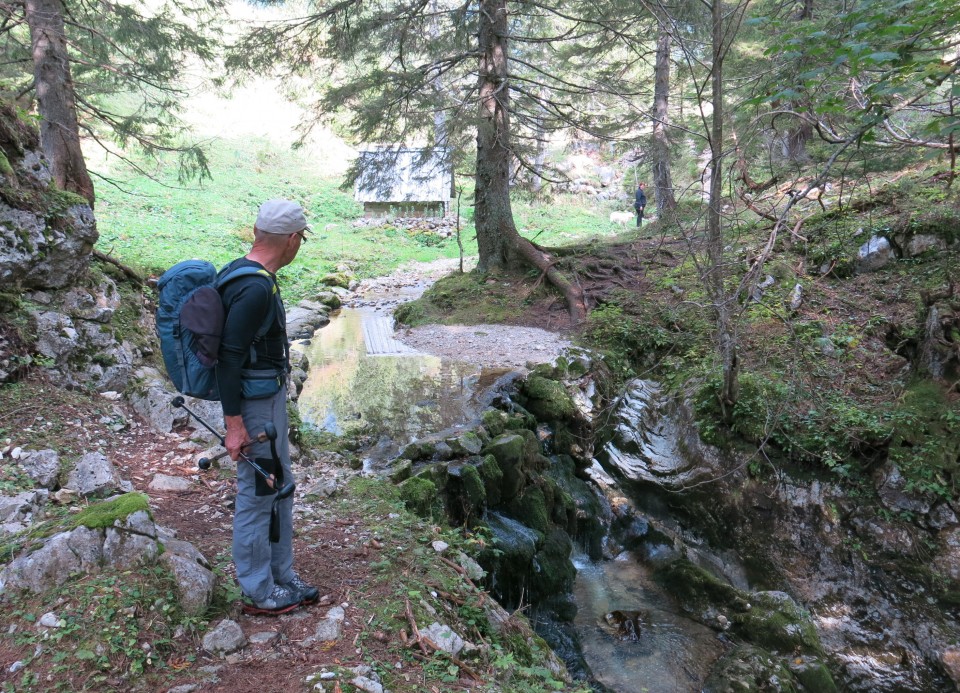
column 116, row 263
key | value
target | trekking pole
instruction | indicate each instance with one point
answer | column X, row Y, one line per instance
column 269, row 433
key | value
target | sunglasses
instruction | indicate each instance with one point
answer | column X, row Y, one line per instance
column 303, row 236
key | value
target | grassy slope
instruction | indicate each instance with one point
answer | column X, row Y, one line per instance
column 153, row 224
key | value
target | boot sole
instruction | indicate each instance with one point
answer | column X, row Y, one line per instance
column 252, row 610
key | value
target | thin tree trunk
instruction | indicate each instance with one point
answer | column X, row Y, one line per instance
column 56, row 100
column 727, row 342
column 660, row 141
column 541, row 155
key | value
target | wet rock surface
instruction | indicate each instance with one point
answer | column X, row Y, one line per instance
column 859, row 578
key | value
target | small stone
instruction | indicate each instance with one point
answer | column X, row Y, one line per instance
column 264, row 637
column 15, row 667
column 364, row 684
column 49, row 620
column 440, row 546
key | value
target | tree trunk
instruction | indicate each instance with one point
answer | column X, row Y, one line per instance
column 660, row 141
column 56, row 101
column 498, row 242
column 727, row 342
column 493, row 214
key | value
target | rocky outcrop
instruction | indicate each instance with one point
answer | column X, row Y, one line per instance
column 113, row 536
column 860, row 587
column 46, row 235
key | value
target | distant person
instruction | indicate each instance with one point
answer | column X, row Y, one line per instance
column 252, row 375
column 640, row 201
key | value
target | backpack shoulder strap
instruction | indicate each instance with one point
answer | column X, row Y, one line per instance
column 228, row 274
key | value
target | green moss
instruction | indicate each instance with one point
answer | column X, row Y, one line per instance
column 9, row 302
column 336, row 279
column 553, row 572
column 695, row 588
column 494, row 421
column 776, row 622
column 466, row 444
column 508, row 450
column 492, row 477
column 547, row 399
column 418, row 494
column 926, row 440
column 61, row 200
column 814, row 676
column 106, row 513
column 329, row 299
column 474, row 490
column 531, row 509
column 747, row 669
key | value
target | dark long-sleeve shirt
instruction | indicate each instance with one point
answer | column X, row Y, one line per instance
column 640, row 200
column 246, row 301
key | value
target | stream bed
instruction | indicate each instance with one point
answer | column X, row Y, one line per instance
column 632, row 638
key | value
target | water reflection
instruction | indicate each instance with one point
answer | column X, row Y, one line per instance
column 403, row 397
column 671, row 654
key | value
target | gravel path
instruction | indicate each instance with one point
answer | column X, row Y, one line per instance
column 491, row 346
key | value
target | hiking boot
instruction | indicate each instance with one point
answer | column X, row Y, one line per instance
column 280, row 601
column 308, row 594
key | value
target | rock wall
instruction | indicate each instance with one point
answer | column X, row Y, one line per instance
column 46, row 234
column 874, row 573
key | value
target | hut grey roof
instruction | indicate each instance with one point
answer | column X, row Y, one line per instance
column 398, row 174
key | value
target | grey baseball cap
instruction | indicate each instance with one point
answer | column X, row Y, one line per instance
column 281, row 217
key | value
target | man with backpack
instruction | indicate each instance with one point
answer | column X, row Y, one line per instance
column 251, row 373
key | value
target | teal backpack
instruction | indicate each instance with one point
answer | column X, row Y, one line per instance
column 190, row 319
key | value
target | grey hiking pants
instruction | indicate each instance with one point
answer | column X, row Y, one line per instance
column 260, row 564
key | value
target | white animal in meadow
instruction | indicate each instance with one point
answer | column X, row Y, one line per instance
column 622, row 218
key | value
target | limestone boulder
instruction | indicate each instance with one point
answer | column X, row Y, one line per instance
column 95, row 475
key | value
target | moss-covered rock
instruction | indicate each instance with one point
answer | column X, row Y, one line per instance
column 419, row 450
column 553, row 572
column 329, row 299
column 771, row 620
column 508, row 450
column 339, row 279
column 509, row 557
column 776, row 622
column 401, row 471
column 435, row 473
column 419, row 494
column 813, row 675
column 106, row 513
column 492, row 477
column 473, row 488
column 696, row 589
column 495, row 421
column 546, row 399
column 531, row 509
column 465, row 444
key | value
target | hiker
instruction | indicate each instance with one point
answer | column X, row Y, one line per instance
column 640, row 201
column 252, row 375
